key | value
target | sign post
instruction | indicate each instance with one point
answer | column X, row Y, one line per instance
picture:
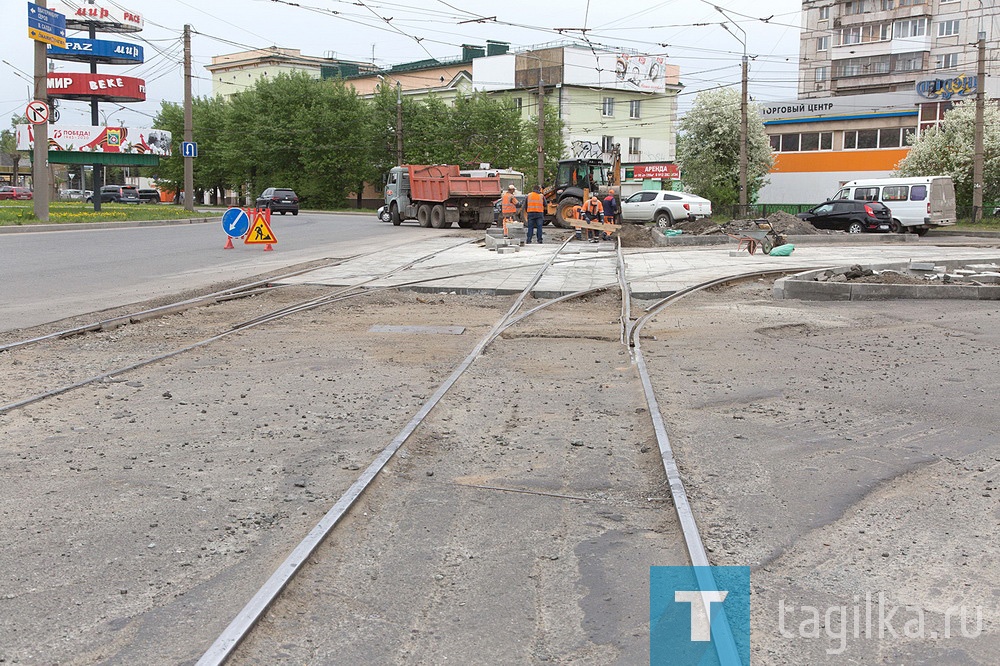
column 44, row 27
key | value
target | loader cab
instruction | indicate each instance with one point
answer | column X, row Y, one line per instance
column 583, row 174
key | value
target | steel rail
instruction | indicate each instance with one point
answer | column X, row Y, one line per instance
column 725, row 643
column 177, row 306
column 244, row 622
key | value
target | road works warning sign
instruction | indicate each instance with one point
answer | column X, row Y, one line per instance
column 260, row 231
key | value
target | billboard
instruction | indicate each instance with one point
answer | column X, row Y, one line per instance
column 621, row 71
column 98, row 50
column 134, row 140
column 81, row 16
column 104, row 87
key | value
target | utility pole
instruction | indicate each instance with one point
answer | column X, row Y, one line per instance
column 97, row 173
column 541, row 128
column 977, row 162
column 399, row 124
column 188, row 123
column 40, row 162
column 743, row 143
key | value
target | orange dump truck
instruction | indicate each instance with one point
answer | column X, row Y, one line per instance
column 439, row 196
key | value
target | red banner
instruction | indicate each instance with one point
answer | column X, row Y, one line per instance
column 668, row 171
column 104, row 87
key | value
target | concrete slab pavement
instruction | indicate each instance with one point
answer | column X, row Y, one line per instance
column 466, row 267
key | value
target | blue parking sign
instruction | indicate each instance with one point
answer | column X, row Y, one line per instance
column 699, row 616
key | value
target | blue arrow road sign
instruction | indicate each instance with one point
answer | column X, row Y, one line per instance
column 189, row 149
column 235, row 222
column 45, row 25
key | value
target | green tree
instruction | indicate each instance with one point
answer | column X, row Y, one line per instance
column 552, row 144
column 8, row 146
column 708, row 148
column 949, row 150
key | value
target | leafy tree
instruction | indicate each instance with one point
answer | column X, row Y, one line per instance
column 552, row 144
column 949, row 149
column 8, row 145
column 708, row 148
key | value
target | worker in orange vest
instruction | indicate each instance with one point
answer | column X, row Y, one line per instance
column 536, row 213
column 508, row 207
column 592, row 211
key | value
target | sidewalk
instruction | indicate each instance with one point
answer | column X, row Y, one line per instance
column 468, row 268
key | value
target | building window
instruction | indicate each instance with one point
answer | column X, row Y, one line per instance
column 633, row 145
column 864, row 66
column 517, row 103
column 633, row 108
column 947, row 61
column 908, row 62
column 822, row 73
column 822, row 43
column 799, row 142
column 608, row 144
column 850, row 35
column 910, row 3
column 608, row 107
column 824, row 13
column 857, row 7
column 887, row 5
column 889, row 137
column 948, row 28
column 910, row 28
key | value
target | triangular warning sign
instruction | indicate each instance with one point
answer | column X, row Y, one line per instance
column 260, row 232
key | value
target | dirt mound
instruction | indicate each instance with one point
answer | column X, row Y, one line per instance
column 635, row 235
column 698, row 227
column 782, row 222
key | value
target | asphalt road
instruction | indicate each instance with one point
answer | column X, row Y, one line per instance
column 50, row 275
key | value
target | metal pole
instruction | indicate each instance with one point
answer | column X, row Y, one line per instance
column 743, row 142
column 40, row 162
column 399, row 124
column 541, row 127
column 188, row 123
column 977, row 163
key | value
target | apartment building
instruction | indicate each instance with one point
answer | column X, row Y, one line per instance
column 872, row 73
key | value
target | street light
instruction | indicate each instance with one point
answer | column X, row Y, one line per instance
column 743, row 107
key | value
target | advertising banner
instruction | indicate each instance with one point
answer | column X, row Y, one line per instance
column 668, row 171
column 105, row 18
column 98, row 50
column 105, row 87
column 133, row 140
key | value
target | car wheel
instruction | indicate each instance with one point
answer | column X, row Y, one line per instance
column 896, row 227
column 295, row 212
column 921, row 231
column 664, row 219
column 855, row 228
column 282, row 211
column 385, row 216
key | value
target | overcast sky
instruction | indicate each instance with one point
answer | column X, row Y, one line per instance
column 688, row 32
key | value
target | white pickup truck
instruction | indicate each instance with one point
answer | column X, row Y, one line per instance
column 664, row 207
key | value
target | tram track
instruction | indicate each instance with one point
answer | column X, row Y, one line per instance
column 229, row 640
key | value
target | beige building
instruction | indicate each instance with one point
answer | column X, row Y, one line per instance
column 871, row 74
column 237, row 72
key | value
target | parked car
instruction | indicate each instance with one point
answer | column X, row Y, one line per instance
column 664, row 207
column 280, row 200
column 14, row 192
column 383, row 214
column 149, row 195
column 71, row 195
column 850, row 215
column 126, row 194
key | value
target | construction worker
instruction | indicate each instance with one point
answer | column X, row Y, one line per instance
column 536, row 213
column 592, row 211
column 508, row 207
column 610, row 210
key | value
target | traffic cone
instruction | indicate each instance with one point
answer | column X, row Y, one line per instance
column 229, row 244
column 268, row 248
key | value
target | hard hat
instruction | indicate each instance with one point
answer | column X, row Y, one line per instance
column 511, row 187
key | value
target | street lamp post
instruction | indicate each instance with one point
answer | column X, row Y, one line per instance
column 743, row 110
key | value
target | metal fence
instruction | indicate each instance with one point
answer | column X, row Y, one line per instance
column 991, row 211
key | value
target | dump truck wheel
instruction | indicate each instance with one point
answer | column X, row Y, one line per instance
column 438, row 217
column 564, row 213
column 394, row 216
column 424, row 215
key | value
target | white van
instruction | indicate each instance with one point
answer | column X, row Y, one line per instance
column 918, row 204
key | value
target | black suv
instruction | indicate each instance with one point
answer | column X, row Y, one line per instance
column 279, row 200
column 849, row 215
column 126, row 194
column 149, row 195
